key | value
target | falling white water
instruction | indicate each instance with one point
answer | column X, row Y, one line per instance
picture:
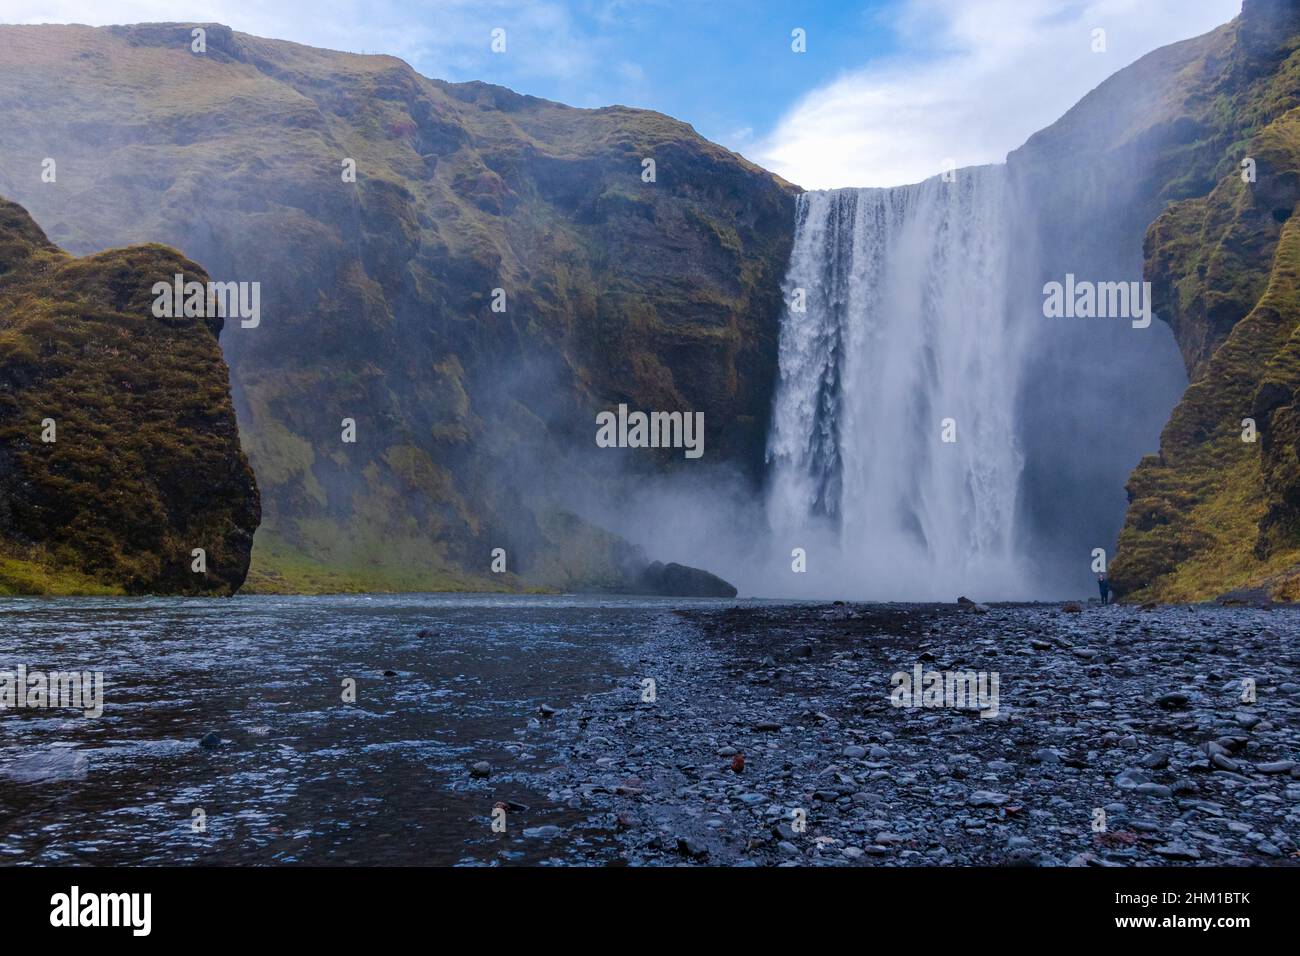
column 907, row 323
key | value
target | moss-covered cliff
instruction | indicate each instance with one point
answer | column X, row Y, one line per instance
column 472, row 424
column 1219, row 507
column 119, row 451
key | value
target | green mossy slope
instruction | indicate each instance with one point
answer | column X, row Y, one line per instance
column 377, row 294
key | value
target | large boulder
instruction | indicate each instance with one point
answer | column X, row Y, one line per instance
column 679, row 580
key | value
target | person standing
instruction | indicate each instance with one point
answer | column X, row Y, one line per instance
column 1103, row 585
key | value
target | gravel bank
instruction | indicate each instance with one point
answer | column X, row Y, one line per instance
column 1118, row 737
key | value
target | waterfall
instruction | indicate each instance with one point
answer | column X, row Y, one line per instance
column 897, row 319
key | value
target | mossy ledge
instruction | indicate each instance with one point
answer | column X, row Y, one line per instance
column 145, row 464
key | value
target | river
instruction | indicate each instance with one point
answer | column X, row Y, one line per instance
column 301, row 776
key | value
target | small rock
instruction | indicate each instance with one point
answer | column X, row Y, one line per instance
column 1153, row 790
column 1178, row 851
column 1277, row 766
column 1131, row 778
column 688, row 847
column 1023, row 856
column 548, row 832
column 1157, row 760
column 1225, row 763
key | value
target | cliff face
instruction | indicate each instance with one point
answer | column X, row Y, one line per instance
column 438, row 331
column 1143, row 177
column 1219, row 507
column 119, row 450
column 1097, row 392
column 499, row 271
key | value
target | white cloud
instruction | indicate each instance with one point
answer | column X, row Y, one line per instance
column 977, row 78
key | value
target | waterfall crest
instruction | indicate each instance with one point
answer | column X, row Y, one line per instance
column 905, row 322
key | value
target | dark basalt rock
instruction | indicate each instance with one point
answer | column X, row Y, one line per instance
column 679, row 580
column 1245, row 597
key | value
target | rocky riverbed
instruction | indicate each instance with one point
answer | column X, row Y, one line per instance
column 362, row 730
column 776, row 736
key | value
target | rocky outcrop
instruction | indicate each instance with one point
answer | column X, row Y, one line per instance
column 1144, row 177
column 1096, row 392
column 502, row 268
column 1219, row 507
column 119, row 450
column 678, row 580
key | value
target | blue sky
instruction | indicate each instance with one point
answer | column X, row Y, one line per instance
column 726, row 67
column 887, row 92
